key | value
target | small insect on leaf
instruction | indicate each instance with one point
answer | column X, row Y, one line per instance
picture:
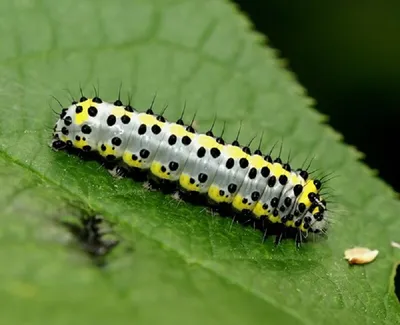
column 360, row 255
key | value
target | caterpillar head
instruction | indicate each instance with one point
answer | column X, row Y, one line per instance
column 309, row 210
column 319, row 215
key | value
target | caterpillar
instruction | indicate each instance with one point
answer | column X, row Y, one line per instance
column 200, row 167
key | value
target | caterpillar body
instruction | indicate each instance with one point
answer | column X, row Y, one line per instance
column 252, row 186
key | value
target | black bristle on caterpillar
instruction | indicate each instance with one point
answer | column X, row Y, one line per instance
column 251, row 188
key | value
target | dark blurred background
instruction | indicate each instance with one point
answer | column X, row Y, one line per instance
column 347, row 55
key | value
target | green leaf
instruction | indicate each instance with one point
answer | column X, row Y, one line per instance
column 186, row 266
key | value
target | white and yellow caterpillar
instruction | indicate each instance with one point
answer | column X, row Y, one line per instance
column 253, row 185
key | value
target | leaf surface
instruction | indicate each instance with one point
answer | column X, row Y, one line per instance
column 186, row 266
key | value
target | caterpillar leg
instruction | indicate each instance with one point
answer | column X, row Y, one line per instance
column 264, row 228
column 280, row 233
column 299, row 239
column 264, row 235
column 177, row 196
column 278, row 238
column 118, row 171
column 247, row 219
column 147, row 185
column 233, row 221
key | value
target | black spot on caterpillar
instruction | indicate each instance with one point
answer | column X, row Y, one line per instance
column 203, row 168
